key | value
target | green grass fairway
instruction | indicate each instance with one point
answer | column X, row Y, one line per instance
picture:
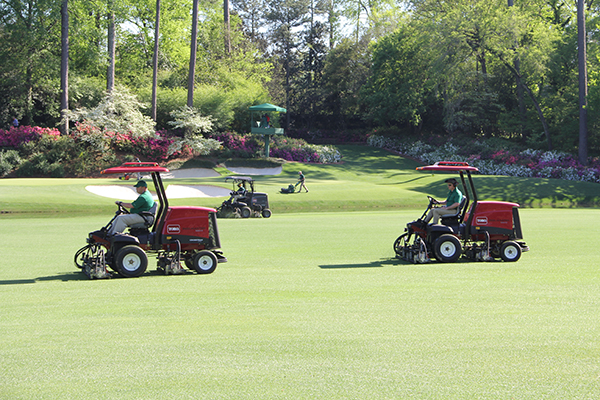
column 312, row 304
column 309, row 306
column 368, row 179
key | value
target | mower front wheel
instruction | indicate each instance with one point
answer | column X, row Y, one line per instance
column 204, row 262
column 510, row 251
column 131, row 261
column 82, row 255
column 447, row 248
column 245, row 212
column 400, row 243
column 266, row 213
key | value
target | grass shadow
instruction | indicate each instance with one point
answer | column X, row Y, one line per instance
column 374, row 264
column 71, row 276
column 528, row 192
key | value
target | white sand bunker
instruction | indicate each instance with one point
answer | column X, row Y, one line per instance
column 114, row 192
column 187, row 173
column 211, row 173
column 255, row 171
column 173, row 191
column 183, row 192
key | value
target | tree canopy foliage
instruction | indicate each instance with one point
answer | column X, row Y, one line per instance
column 505, row 68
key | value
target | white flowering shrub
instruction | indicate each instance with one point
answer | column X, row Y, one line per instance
column 191, row 121
column 526, row 163
column 118, row 112
column 326, row 154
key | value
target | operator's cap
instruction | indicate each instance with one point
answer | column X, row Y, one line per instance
column 141, row 184
column 452, row 181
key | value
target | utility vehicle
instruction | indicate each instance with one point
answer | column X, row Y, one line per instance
column 173, row 234
column 479, row 230
column 250, row 204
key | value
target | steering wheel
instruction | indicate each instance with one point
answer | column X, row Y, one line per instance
column 432, row 200
column 121, row 210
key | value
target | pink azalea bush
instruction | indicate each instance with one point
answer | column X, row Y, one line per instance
column 88, row 148
column 14, row 137
column 290, row 149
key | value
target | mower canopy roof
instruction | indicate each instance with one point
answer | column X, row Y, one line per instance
column 237, row 179
column 244, row 180
column 448, row 166
column 131, row 167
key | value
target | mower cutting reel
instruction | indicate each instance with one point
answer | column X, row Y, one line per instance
column 479, row 230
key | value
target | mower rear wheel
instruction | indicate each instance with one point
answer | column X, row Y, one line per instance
column 447, row 248
column 266, row 213
column 245, row 212
column 205, row 262
column 510, row 251
column 131, row 261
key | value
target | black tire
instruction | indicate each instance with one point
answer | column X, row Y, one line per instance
column 399, row 244
column 205, row 262
column 245, row 212
column 131, row 261
column 510, row 251
column 81, row 255
column 447, row 248
column 266, row 213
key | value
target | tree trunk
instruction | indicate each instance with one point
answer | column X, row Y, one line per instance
column 520, row 94
column 540, row 114
column 64, row 66
column 227, row 27
column 155, row 61
column 110, row 75
column 517, row 75
column 582, row 60
column 287, row 86
column 193, row 48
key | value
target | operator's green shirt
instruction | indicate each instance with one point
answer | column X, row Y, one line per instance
column 143, row 203
column 454, row 196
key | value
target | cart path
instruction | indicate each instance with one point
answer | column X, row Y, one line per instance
column 121, row 192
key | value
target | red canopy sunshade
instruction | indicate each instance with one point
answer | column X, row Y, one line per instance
column 130, row 167
column 448, row 166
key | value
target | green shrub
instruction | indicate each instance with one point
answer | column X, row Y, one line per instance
column 39, row 165
column 9, row 160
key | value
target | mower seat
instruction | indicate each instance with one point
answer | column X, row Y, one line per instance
column 453, row 219
column 148, row 218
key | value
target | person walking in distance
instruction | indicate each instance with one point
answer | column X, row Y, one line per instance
column 301, row 180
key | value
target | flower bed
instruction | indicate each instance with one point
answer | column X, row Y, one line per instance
column 522, row 163
column 250, row 146
column 14, row 137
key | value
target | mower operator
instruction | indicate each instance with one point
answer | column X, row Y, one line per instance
column 301, row 180
column 452, row 202
column 239, row 193
column 144, row 202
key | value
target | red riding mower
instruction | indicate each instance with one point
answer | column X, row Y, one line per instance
column 173, row 234
column 481, row 230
